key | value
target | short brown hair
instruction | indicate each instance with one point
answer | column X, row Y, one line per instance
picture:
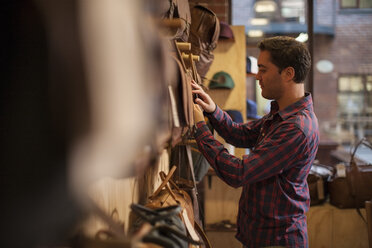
column 288, row 52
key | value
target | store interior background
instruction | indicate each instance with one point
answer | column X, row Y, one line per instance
column 342, row 90
column 38, row 169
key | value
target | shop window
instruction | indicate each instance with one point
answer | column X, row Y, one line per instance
column 356, row 4
column 280, row 10
column 355, row 103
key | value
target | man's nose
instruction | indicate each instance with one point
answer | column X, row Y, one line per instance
column 258, row 76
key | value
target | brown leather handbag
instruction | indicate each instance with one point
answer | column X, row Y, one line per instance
column 169, row 194
column 360, row 178
column 165, row 196
column 353, row 190
column 204, row 33
column 182, row 103
column 317, row 180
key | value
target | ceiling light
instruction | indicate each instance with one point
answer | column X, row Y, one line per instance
column 265, row 6
column 259, row 21
column 255, row 33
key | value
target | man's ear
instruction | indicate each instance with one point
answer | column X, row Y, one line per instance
column 289, row 73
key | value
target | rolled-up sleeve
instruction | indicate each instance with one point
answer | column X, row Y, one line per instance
column 271, row 155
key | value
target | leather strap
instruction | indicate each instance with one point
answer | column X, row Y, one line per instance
column 194, row 190
column 189, row 158
column 170, row 191
column 163, row 175
column 202, row 234
column 353, row 163
column 164, row 183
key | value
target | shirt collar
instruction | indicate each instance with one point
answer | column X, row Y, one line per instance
column 304, row 103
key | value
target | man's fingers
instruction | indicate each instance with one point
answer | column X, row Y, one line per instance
column 197, row 91
column 195, row 85
column 201, row 103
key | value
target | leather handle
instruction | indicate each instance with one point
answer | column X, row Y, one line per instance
column 163, row 175
column 165, row 182
column 170, row 191
column 363, row 141
column 190, row 162
column 198, row 228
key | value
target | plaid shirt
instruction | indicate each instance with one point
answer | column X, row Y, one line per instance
column 275, row 195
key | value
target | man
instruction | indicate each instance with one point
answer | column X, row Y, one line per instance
column 275, row 195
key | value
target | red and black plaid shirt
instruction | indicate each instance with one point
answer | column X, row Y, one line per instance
column 275, row 194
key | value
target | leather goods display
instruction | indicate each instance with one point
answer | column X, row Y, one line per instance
column 353, row 190
column 185, row 175
column 199, row 163
column 180, row 9
column 360, row 178
column 318, row 179
column 182, row 103
column 165, row 196
column 204, row 33
column 168, row 230
column 170, row 194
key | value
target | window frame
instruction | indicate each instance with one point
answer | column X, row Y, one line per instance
column 363, row 118
column 357, row 6
column 350, row 92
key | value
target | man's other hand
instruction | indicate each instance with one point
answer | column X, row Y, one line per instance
column 203, row 100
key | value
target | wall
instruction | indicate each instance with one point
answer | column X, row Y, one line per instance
column 230, row 57
column 115, row 195
column 219, row 7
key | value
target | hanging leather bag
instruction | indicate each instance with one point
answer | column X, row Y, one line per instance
column 169, row 194
column 182, row 103
column 168, row 229
column 204, row 33
column 179, row 9
column 165, row 196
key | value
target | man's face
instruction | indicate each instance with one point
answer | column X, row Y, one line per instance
column 269, row 77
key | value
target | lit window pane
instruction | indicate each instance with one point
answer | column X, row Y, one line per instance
column 350, row 103
column 369, row 83
column 343, row 84
column 365, row 4
column 356, row 84
column 349, row 3
column 293, row 10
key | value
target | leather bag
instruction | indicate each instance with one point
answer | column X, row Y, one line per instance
column 318, row 179
column 182, row 103
column 166, row 196
column 170, row 194
column 360, row 178
column 168, row 229
column 179, row 9
column 204, row 33
column 353, row 190
column 185, row 174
